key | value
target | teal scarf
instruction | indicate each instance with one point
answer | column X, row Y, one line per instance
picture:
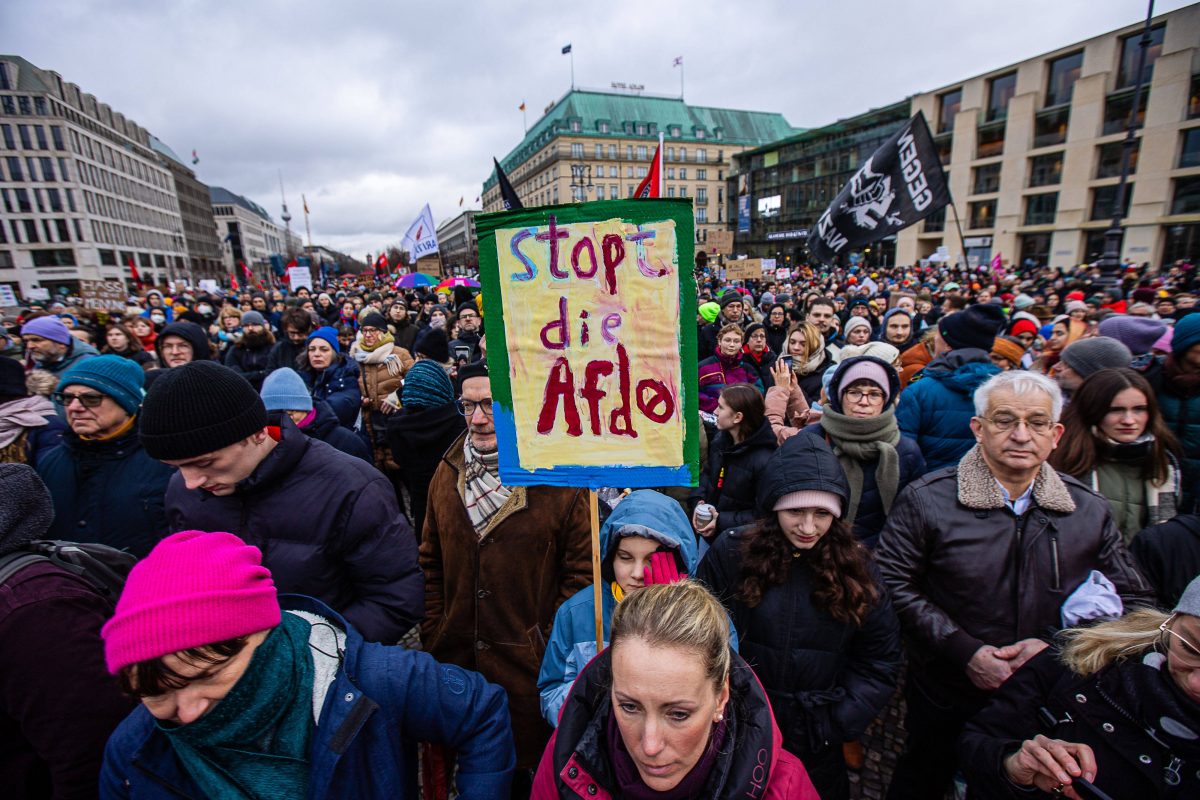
column 254, row 743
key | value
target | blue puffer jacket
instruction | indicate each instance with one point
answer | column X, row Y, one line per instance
column 338, row 386
column 573, row 638
column 936, row 408
column 381, row 702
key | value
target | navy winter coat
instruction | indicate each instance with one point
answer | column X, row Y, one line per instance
column 328, row 526
column 338, row 386
column 251, row 364
column 326, row 428
column 382, row 701
column 936, row 409
column 108, row 492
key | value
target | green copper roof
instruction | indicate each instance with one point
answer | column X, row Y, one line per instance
column 623, row 113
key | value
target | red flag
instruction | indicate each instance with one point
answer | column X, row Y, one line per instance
column 293, row 263
column 247, row 273
column 649, row 186
column 233, row 284
column 381, row 264
column 133, row 271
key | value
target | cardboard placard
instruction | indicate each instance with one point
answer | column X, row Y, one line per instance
column 744, row 269
column 299, row 277
column 429, row 265
column 592, row 343
column 719, row 243
column 103, row 295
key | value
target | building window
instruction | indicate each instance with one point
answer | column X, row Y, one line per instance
column 629, row 152
column 983, row 214
column 683, row 191
column 1187, row 196
column 5, row 83
column 1119, row 107
column 676, row 131
column 1130, row 45
column 987, row 179
column 1000, row 91
column 990, row 140
column 1050, row 127
column 670, row 191
column 1062, row 74
column 670, row 173
column 683, row 173
column 936, row 221
column 576, row 150
column 599, row 151
column 612, row 151
column 1046, row 170
column 1193, row 109
column 599, row 192
column 1183, row 243
column 1189, row 155
column 1035, row 249
column 701, row 155
column 9, row 141
column 1108, row 164
column 1103, row 198
column 702, row 216
column 576, row 126
column 641, row 152
column 683, row 154
column 26, row 139
column 701, row 174
column 40, row 132
column 641, row 172
column 701, row 195
column 641, row 129
column 602, row 127
column 630, row 188
column 700, row 134
column 53, row 258
column 629, row 172
column 47, row 165
column 613, row 171
column 1041, row 208
column 944, row 144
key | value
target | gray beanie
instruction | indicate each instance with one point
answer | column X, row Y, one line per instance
column 1022, row 302
column 253, row 318
column 1092, row 355
column 1189, row 601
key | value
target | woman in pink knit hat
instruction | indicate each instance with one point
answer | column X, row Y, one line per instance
column 248, row 695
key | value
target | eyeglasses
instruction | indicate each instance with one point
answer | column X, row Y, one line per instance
column 1005, row 423
column 371, row 331
column 1191, row 651
column 87, row 399
column 858, row 395
column 467, row 407
column 467, row 316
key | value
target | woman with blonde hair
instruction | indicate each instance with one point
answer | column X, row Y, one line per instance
column 669, row 711
column 1118, row 707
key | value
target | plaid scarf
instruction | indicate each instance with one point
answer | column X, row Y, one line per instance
column 484, row 494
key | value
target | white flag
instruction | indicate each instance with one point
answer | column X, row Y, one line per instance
column 421, row 239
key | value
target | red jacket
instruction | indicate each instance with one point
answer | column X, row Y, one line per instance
column 757, row 766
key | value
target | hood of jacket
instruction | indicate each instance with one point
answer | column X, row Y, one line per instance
column 962, row 371
column 324, row 422
column 191, row 333
column 26, row 510
column 802, row 463
column 427, row 427
column 655, row 516
column 835, row 383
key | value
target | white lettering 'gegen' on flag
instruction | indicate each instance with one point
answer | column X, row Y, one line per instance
column 421, row 238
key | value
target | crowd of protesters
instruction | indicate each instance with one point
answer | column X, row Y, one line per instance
column 979, row 485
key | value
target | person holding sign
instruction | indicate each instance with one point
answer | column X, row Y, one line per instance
column 499, row 560
column 669, row 710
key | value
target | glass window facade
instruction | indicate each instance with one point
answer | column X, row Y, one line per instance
column 1119, row 107
column 949, row 105
column 1127, row 71
column 1041, row 208
column 982, row 214
column 1046, row 170
column 1187, row 196
column 987, row 179
column 1062, row 73
column 1000, row 91
column 1103, row 198
column 1050, row 127
column 1189, row 154
column 1108, row 162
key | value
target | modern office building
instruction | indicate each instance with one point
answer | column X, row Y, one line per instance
column 1032, row 152
column 457, row 245
column 195, row 208
column 594, row 145
column 82, row 193
column 248, row 234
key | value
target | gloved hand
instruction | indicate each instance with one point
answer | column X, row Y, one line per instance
column 662, row 569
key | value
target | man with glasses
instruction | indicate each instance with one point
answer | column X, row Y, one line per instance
column 499, row 561
column 468, row 335
column 104, row 486
column 979, row 558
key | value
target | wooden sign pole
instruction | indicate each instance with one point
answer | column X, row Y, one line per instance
column 596, row 555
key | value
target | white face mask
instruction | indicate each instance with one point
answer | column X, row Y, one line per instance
column 204, row 309
column 157, row 318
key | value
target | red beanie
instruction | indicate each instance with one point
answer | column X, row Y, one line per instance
column 1023, row 326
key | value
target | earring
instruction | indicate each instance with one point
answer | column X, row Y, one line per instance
column 720, row 718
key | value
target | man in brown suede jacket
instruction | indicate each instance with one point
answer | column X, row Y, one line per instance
column 498, row 563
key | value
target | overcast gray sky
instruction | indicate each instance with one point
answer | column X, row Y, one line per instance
column 372, row 109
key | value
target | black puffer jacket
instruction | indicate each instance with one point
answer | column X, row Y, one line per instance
column 418, row 438
column 325, row 427
column 328, row 526
column 253, row 364
column 965, row 571
column 1169, row 556
column 826, row 679
column 1110, row 711
column 734, row 470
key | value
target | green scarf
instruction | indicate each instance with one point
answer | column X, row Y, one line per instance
column 254, row 743
column 857, row 441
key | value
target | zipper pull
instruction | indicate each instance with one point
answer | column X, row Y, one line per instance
column 1171, row 772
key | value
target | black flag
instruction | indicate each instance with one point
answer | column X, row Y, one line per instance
column 507, row 195
column 901, row 183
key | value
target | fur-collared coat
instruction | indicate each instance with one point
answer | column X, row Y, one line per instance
column 964, row 570
column 491, row 597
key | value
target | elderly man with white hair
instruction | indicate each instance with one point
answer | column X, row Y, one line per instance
column 980, row 558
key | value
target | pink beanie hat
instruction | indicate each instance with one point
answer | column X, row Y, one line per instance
column 810, row 498
column 194, row 589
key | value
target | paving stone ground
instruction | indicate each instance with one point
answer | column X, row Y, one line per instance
column 882, row 746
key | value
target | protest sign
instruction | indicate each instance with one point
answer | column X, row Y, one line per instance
column 209, row 285
column 744, row 269
column 719, row 243
column 8, row 297
column 592, row 342
column 429, row 265
column 38, row 293
column 103, row 295
column 299, row 277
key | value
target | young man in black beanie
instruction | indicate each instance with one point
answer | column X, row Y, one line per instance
column 327, row 523
column 937, row 407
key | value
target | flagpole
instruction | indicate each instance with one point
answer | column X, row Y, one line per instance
column 681, row 79
column 307, row 229
column 524, row 117
column 572, row 54
column 660, row 166
column 961, row 240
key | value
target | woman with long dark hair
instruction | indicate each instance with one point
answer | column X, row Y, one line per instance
column 737, row 458
column 1115, row 441
column 809, row 608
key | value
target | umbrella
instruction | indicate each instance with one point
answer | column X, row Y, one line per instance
column 450, row 283
column 414, row 279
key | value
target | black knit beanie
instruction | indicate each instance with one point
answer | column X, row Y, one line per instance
column 199, row 408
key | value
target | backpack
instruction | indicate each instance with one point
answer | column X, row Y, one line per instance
column 104, row 568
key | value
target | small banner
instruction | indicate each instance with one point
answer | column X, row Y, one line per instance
column 901, row 183
column 421, row 237
column 591, row 339
column 103, row 295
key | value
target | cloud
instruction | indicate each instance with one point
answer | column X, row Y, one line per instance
column 373, row 109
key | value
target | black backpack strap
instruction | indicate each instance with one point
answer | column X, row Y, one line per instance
column 13, row 563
